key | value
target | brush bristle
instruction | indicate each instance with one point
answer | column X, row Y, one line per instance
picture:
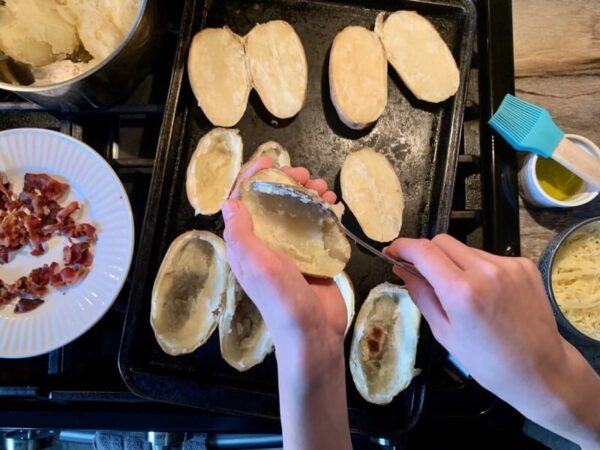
column 516, row 117
column 526, row 127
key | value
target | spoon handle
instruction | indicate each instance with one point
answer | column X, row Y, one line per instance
column 409, row 267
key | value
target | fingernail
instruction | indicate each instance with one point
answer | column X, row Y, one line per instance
column 229, row 209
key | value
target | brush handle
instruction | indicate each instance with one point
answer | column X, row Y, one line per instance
column 578, row 161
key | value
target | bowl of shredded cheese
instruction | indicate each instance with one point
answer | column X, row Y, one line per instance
column 570, row 266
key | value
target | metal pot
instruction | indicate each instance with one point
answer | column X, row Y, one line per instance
column 113, row 78
column 578, row 338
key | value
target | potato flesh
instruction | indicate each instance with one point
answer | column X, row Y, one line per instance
column 219, row 75
column 41, row 32
column 213, row 173
column 278, row 67
column 358, row 76
column 26, row 38
column 183, row 287
column 372, row 191
column 420, row 56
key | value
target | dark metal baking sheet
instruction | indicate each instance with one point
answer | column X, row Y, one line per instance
column 420, row 139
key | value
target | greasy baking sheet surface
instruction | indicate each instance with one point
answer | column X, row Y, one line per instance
column 420, row 139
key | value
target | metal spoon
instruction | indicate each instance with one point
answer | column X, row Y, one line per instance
column 309, row 198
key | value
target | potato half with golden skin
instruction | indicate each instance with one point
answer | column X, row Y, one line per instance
column 219, row 75
column 188, row 292
column 384, row 344
column 311, row 238
column 213, row 169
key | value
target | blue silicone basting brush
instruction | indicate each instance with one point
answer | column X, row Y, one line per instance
column 529, row 128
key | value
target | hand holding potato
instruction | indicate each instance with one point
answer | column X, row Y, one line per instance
column 306, row 318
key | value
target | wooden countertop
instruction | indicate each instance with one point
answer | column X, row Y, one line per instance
column 557, row 66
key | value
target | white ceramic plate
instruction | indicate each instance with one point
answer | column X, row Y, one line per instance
column 66, row 313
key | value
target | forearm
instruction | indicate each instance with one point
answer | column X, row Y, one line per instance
column 579, row 417
column 314, row 414
column 573, row 408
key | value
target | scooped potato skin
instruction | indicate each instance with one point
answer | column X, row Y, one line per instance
column 372, row 340
column 231, row 347
column 206, row 314
column 321, row 270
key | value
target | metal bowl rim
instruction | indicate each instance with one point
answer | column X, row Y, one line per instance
column 20, row 88
column 557, row 245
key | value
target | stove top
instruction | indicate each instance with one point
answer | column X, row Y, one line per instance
column 79, row 385
column 126, row 136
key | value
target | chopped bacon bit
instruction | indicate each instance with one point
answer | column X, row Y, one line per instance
column 78, row 253
column 33, row 203
column 50, row 188
column 13, row 233
column 68, row 275
column 27, row 304
column 67, row 211
column 3, row 254
column 35, row 284
column 24, row 288
column 7, row 201
column 60, row 219
column 5, row 295
column 41, row 275
column 83, row 230
column 38, row 250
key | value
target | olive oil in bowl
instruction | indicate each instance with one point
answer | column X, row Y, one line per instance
column 544, row 183
column 558, row 182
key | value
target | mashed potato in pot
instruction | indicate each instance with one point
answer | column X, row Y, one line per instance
column 47, row 34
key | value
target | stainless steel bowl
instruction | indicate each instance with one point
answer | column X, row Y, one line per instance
column 545, row 265
column 112, row 79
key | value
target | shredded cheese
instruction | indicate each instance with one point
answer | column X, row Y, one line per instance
column 576, row 279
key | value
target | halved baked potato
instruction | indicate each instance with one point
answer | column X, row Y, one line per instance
column 358, row 76
column 384, row 344
column 419, row 54
column 372, row 191
column 219, row 76
column 278, row 67
column 243, row 334
column 213, row 169
column 188, row 292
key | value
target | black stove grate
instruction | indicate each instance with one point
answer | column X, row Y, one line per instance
column 80, row 384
